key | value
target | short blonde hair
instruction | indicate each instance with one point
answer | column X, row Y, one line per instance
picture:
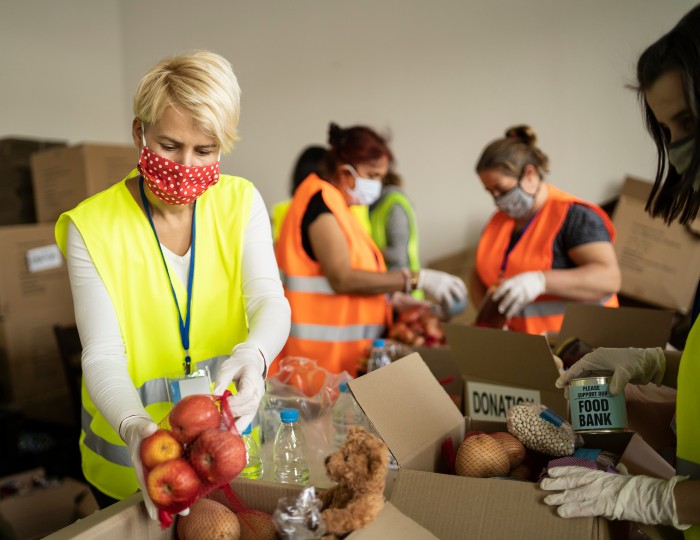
column 203, row 83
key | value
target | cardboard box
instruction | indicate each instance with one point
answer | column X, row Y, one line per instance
column 15, row 152
column 660, row 263
column 601, row 326
column 42, row 507
column 420, row 418
column 16, row 191
column 128, row 518
column 34, row 296
column 501, row 369
column 64, row 177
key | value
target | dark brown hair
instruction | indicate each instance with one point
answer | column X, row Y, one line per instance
column 353, row 145
column 512, row 153
column 672, row 197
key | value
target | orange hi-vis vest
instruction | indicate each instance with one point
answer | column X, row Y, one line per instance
column 533, row 251
column 333, row 329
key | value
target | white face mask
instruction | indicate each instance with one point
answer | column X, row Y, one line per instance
column 366, row 190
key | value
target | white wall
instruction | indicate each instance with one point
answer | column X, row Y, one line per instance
column 61, row 70
column 444, row 77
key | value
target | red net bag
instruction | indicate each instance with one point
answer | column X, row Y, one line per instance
column 196, row 450
column 222, row 514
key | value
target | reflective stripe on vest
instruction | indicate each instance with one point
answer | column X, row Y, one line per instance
column 320, row 332
column 333, row 329
column 532, row 252
column 308, row 284
column 126, row 256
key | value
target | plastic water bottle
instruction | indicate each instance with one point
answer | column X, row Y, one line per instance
column 291, row 466
column 378, row 357
column 254, row 465
column 345, row 414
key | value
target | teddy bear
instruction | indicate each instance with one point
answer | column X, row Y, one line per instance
column 359, row 467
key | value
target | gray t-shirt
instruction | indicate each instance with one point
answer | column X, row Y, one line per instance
column 581, row 226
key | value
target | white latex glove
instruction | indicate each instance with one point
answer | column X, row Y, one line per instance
column 638, row 366
column 517, row 292
column 245, row 367
column 614, row 496
column 402, row 301
column 133, row 430
column 445, row 288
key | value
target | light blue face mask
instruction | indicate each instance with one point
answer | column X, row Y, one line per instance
column 680, row 154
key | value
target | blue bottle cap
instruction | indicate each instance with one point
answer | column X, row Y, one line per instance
column 455, row 307
column 343, row 387
column 378, row 343
column 289, row 415
column 247, row 430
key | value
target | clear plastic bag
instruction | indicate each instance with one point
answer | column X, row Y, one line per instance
column 301, row 384
column 542, row 430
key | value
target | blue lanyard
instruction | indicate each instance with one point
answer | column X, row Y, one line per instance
column 184, row 325
column 511, row 246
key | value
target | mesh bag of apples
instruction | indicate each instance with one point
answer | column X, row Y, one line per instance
column 418, row 326
column 195, row 451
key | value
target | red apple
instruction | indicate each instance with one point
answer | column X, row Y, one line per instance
column 218, row 456
column 192, row 415
column 173, row 485
column 159, row 447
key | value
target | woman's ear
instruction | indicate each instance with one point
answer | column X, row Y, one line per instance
column 345, row 178
column 531, row 178
column 137, row 132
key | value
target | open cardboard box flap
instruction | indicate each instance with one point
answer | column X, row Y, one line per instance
column 410, row 411
column 413, row 415
column 504, row 359
column 601, row 326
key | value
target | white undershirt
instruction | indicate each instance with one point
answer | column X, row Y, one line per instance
column 104, row 360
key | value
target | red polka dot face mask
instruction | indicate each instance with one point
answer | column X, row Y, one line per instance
column 172, row 182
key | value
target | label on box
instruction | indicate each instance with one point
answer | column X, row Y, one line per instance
column 491, row 402
column 44, row 258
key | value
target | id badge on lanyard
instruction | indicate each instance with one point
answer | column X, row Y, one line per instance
column 192, row 382
column 197, row 382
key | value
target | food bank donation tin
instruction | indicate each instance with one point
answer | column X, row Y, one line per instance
column 593, row 408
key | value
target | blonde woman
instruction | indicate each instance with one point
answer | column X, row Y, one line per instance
column 172, row 272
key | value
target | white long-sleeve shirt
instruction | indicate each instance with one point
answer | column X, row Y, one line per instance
column 104, row 360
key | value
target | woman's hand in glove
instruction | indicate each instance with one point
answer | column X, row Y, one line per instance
column 587, row 492
column 517, row 292
column 246, row 368
column 133, row 431
column 638, row 366
column 445, row 288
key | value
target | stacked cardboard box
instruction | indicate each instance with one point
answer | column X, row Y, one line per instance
column 16, row 192
column 34, row 296
column 39, row 180
column 63, row 177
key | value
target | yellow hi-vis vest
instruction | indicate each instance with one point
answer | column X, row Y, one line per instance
column 122, row 245
column 687, row 413
column 378, row 217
